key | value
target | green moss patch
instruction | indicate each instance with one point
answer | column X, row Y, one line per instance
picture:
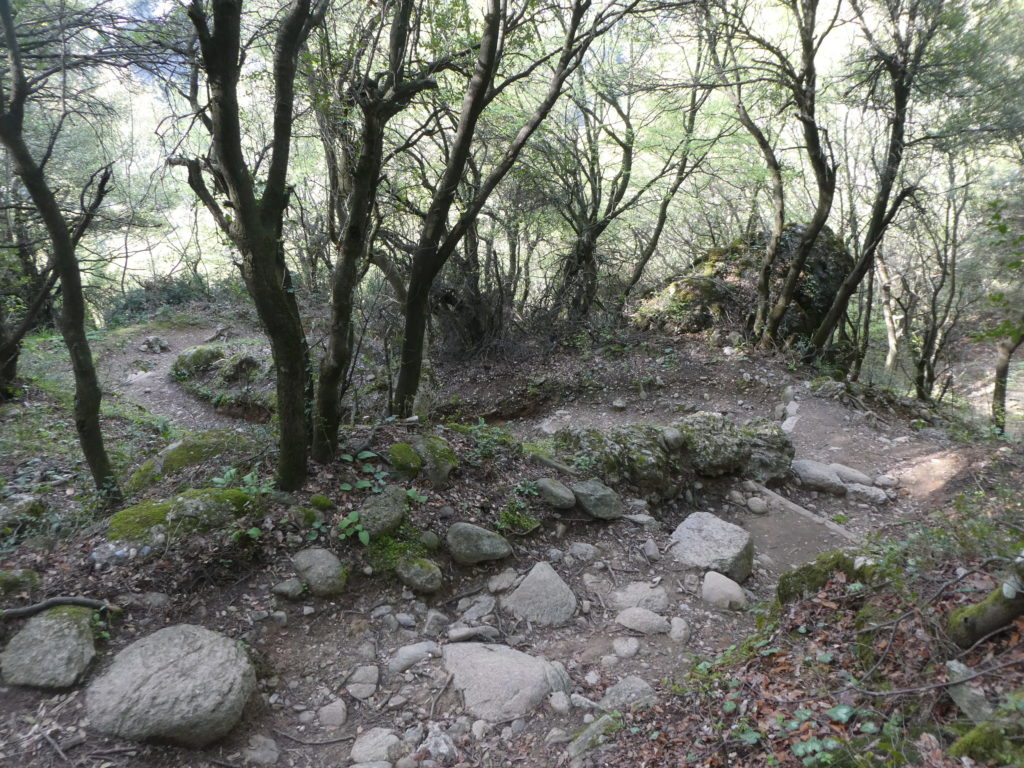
column 200, row 509
column 405, row 461
column 810, row 577
column 189, row 451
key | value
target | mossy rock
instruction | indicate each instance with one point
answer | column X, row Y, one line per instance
column 810, row 577
column 419, row 574
column 238, row 369
column 439, row 459
column 688, row 305
column 636, row 454
column 19, row 580
column 196, row 360
column 406, row 463
column 197, row 510
column 714, row 445
column 384, row 553
column 999, row 740
column 306, row 517
column 321, row 502
column 190, row 450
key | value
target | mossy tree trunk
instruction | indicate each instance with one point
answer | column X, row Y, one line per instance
column 1005, row 353
column 1005, row 603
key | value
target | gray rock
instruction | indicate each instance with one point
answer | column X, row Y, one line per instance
column 470, row 544
column 383, row 512
column 52, row 650
column 651, row 551
column 673, row 438
column 598, row 500
column 477, row 607
column 409, row 655
column 376, row 745
column 643, row 620
column 849, row 474
column 501, row 582
column 583, row 551
column 886, row 481
column 362, row 683
column 499, row 683
column 705, row 542
column 183, row 684
column 542, row 598
column 556, row 494
column 439, row 460
column 289, row 589
column 262, row 750
column 439, row 745
column 714, row 445
column 867, row 494
column 722, row 592
column 680, row 630
column 619, row 404
column 435, row 623
column 816, row 476
column 642, row 594
column 333, row 715
column 629, row 693
column 971, row 701
column 771, row 452
column 757, row 505
column 325, row 574
column 593, row 736
column 626, row 647
column 789, row 425
column 559, row 702
column 483, row 632
column 420, row 574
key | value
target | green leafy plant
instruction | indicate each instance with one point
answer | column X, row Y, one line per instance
column 416, row 496
column 350, row 526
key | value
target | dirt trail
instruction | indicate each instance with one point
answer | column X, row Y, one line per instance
column 144, row 377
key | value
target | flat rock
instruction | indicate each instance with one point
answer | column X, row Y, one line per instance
column 705, row 542
column 470, row 544
column 52, row 650
column 321, row 569
column 816, row 476
column 183, row 684
column 643, row 620
column 376, row 745
column 499, row 683
column 542, row 598
column 640, row 594
column 722, row 592
column 629, row 693
column 849, row 474
column 556, row 494
column 289, row 589
column 598, row 500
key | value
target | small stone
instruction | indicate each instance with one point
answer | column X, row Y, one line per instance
column 542, row 598
column 680, row 629
column 642, row 594
column 262, row 750
column 481, row 729
column 435, row 623
column 420, row 574
column 626, row 647
column 722, row 592
column 619, row 404
column 651, row 551
column 470, row 544
column 629, row 693
column 410, row 655
column 559, row 702
column 583, row 551
column 555, row 493
column 376, row 745
column 815, row 476
column 321, row 570
column 598, row 500
column 705, row 542
column 886, row 481
column 52, row 650
column 757, row 505
column 867, row 494
column 333, row 715
column 362, row 683
column 849, row 474
column 557, row 736
column 643, row 620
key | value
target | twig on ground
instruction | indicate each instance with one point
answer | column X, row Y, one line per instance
column 439, row 694
column 310, row 743
column 52, row 602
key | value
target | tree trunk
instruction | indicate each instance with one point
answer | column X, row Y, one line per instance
column 1005, row 349
column 1005, row 603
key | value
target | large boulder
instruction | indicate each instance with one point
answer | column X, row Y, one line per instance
column 542, row 598
column 183, row 684
column 470, row 544
column 721, row 286
column 52, row 650
column 499, row 683
column 192, row 449
column 708, row 543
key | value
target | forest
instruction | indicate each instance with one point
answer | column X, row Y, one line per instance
column 495, row 382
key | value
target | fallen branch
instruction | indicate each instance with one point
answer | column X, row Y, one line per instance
column 309, row 742
column 52, row 602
